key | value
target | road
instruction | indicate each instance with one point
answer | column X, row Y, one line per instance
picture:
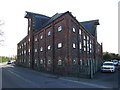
column 19, row 77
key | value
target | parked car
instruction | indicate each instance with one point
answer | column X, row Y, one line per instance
column 9, row 62
column 115, row 62
column 108, row 67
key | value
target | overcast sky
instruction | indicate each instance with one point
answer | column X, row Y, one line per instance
column 15, row 27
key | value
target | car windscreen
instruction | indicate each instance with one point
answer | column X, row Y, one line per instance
column 108, row 64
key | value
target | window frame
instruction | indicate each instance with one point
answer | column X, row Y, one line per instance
column 48, row 47
column 73, row 29
column 49, row 33
column 41, row 49
column 59, row 45
column 59, row 29
column 35, row 50
column 41, row 37
column 49, row 62
column 74, row 45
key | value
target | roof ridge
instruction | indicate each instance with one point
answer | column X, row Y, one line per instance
column 36, row 14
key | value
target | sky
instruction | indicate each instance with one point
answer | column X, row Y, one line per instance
column 15, row 25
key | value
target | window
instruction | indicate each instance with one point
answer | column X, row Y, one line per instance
column 49, row 33
column 74, row 62
column 41, row 49
column 29, row 50
column 35, row 61
column 29, row 40
column 59, row 28
column 29, row 28
column 35, row 39
column 59, row 62
column 84, row 42
column 80, row 46
column 49, row 47
column 73, row 29
column 84, row 37
column 80, row 31
column 35, row 50
column 84, row 48
column 59, row 45
column 90, row 51
column 49, row 61
column 73, row 45
column 90, row 45
column 41, row 37
column 87, row 37
column 81, row 62
column 24, row 51
column 24, row 43
column 29, row 20
column 41, row 61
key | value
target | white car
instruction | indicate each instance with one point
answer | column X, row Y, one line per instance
column 115, row 62
column 108, row 67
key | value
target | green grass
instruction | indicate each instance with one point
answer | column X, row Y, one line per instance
column 3, row 59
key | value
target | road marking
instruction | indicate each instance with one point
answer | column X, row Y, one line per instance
column 28, row 81
column 84, row 83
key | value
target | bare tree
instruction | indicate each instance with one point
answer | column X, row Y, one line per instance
column 1, row 32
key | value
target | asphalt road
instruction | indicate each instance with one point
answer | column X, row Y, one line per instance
column 18, row 77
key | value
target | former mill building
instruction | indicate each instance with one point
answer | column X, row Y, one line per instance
column 60, row 44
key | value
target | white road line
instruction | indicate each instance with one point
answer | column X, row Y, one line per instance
column 26, row 80
column 84, row 83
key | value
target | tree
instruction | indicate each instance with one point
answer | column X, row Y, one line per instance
column 106, row 56
column 110, row 56
column 1, row 32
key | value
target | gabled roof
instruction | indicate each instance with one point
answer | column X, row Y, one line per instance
column 90, row 25
column 40, row 21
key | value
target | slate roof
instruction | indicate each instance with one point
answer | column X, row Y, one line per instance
column 40, row 21
column 90, row 25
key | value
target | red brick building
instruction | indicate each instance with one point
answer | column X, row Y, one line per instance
column 60, row 44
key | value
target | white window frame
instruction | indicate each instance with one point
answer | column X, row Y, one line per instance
column 29, row 40
column 49, row 47
column 84, row 48
column 81, row 62
column 24, row 43
column 84, row 37
column 59, row 45
column 80, row 31
column 80, row 45
column 35, row 50
column 74, row 45
column 35, row 39
column 59, row 28
column 73, row 29
column 49, row 33
column 87, row 37
column 41, row 61
column 84, row 42
column 59, row 62
column 90, row 45
column 35, row 61
column 29, row 28
column 74, row 62
column 41, row 37
column 41, row 49
column 24, row 51
column 49, row 62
